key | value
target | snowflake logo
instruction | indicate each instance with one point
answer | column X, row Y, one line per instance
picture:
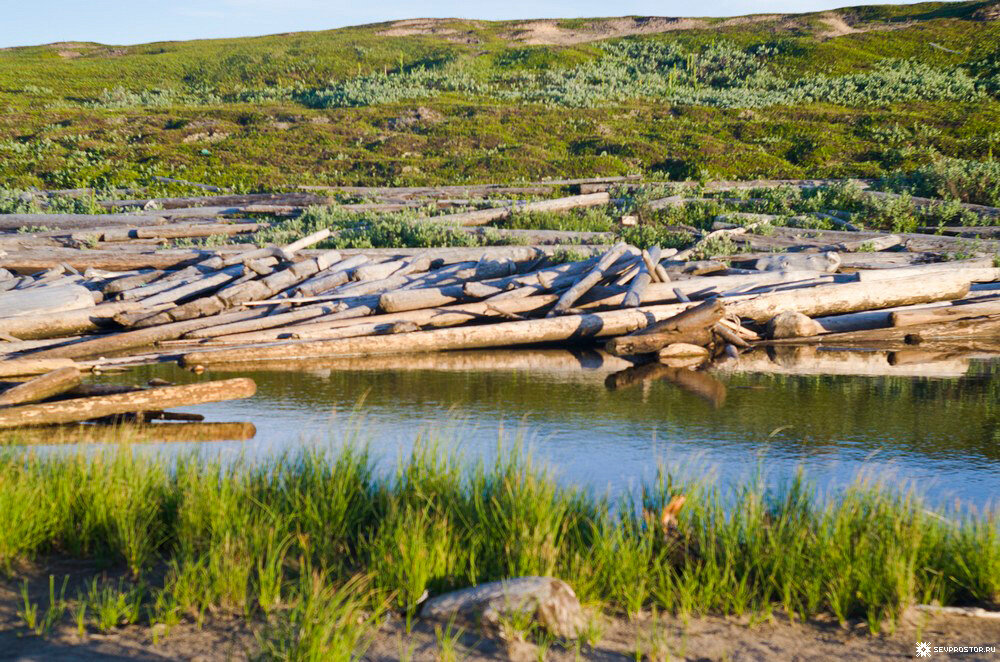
column 923, row 649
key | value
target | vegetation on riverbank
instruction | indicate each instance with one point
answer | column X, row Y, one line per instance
column 861, row 91
column 315, row 548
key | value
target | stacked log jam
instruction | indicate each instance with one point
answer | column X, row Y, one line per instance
column 69, row 305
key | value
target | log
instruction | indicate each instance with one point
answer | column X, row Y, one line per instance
column 977, row 271
column 236, row 294
column 692, row 326
column 68, row 323
column 827, row 262
column 48, row 299
column 852, row 297
column 33, row 366
column 503, row 334
column 882, row 243
column 483, row 216
column 594, row 276
column 76, row 221
column 45, row 386
column 633, row 298
column 975, row 328
column 262, row 322
column 947, row 313
column 119, row 342
column 427, row 317
column 550, row 600
column 82, row 409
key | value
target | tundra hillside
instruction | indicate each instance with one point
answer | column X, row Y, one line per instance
column 863, row 91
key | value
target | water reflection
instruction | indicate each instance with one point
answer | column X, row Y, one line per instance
column 929, row 418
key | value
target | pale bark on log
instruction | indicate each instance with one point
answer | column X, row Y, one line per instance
column 82, row 409
column 708, row 286
column 503, row 334
column 483, row 216
column 68, row 323
column 234, row 295
column 947, row 313
column 333, row 276
column 633, row 298
column 974, row 328
column 77, row 221
column 47, row 299
column 977, row 271
column 33, row 366
column 264, row 322
column 126, row 340
column 852, row 297
column 196, row 287
column 591, row 279
column 691, row 326
column 41, row 387
column 427, row 317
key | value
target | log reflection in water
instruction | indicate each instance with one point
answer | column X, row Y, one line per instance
column 813, row 360
column 695, row 382
column 536, row 360
column 135, row 433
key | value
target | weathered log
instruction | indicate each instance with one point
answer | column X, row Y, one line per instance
column 236, row 294
column 633, row 298
column 48, row 299
column 262, row 322
column 944, row 313
column 41, row 387
column 503, row 334
column 881, row 243
column 827, row 262
column 118, row 342
column 975, row 328
column 816, row 360
column 29, row 261
column 33, row 366
column 550, row 600
column 483, row 216
column 692, row 326
column 67, row 323
column 976, row 270
column 76, row 221
column 593, row 277
column 326, row 327
column 186, row 290
column 852, row 297
column 81, row 409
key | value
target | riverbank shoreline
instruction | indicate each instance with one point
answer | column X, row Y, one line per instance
column 315, row 555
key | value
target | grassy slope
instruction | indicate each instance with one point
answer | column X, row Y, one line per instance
column 50, row 136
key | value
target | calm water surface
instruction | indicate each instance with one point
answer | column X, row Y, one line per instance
column 932, row 421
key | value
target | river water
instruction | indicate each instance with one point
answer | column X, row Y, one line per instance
column 929, row 421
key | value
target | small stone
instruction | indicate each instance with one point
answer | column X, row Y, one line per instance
column 630, row 220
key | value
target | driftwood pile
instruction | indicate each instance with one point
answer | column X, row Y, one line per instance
column 236, row 304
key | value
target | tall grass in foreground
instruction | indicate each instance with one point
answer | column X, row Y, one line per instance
column 315, row 547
